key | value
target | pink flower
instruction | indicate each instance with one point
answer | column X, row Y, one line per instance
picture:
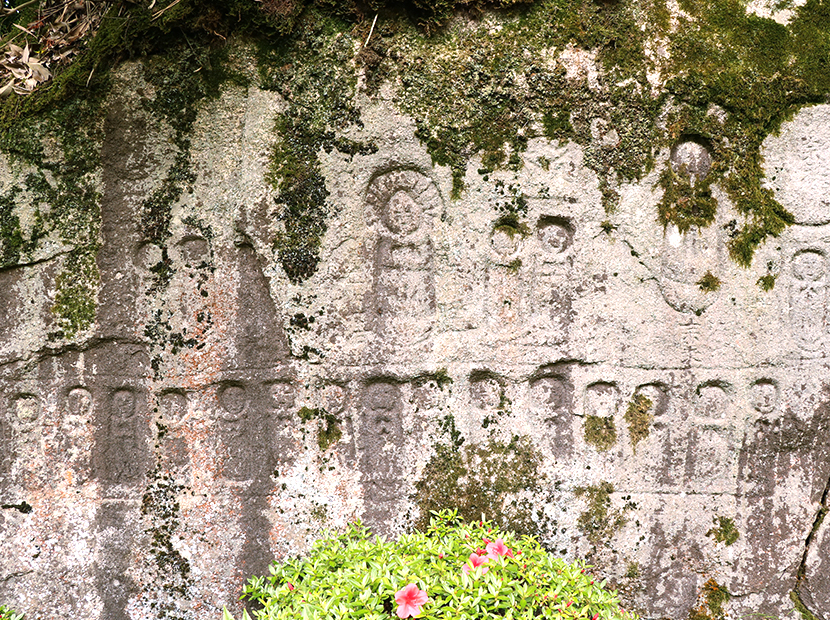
column 474, row 562
column 498, row 548
column 410, row 600
column 290, row 586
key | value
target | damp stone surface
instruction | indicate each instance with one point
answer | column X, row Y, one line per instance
column 245, row 302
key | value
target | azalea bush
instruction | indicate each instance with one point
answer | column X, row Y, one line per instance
column 453, row 571
column 9, row 614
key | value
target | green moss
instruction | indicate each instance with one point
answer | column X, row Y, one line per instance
column 77, row 288
column 685, row 204
column 600, row 432
column 483, row 479
column 725, row 530
column 638, row 416
column 599, row 522
column 328, row 426
column 801, row 608
column 307, row 414
column 709, row 283
column 314, row 73
column 716, row 596
column 766, row 282
column 632, row 571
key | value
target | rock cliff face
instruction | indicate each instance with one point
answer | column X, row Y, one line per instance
column 217, row 340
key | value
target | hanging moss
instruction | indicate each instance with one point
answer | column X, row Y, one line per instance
column 638, row 417
column 600, row 432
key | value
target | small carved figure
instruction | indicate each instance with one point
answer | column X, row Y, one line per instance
column 808, row 301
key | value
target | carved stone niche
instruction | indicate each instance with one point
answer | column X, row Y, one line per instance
column 122, row 450
column 602, row 399
column 711, row 454
column 808, row 301
column 764, row 396
column 401, row 304
column 486, row 390
column 692, row 156
column 78, row 411
column 551, row 397
column 172, row 411
column 194, row 251
column 555, row 234
column 687, row 260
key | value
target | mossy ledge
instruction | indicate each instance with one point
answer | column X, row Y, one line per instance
column 728, row 77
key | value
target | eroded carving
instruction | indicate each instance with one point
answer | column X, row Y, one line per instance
column 282, row 420
column 486, row 391
column 552, row 398
column 691, row 156
column 380, row 439
column 764, row 394
column 122, row 459
column 711, row 452
column 808, row 301
column 602, row 399
column 26, row 408
column 689, row 268
column 75, row 429
column 555, row 234
column 401, row 304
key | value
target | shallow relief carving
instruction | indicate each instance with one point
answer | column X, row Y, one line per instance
column 551, row 397
column 121, row 441
column 808, row 301
column 75, row 440
column 401, row 305
column 552, row 287
column 712, row 443
column 652, row 429
column 379, row 442
column 687, row 259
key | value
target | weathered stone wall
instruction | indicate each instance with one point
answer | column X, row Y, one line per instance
column 620, row 388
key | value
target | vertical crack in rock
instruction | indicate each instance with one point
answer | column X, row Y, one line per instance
column 803, row 599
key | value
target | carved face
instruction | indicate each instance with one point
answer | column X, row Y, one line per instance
column 808, row 266
column 123, row 405
column 381, row 417
column 602, row 399
column 555, row 237
column 712, row 401
column 232, row 400
column 764, row 396
column 402, row 214
column 486, row 393
column 173, row 406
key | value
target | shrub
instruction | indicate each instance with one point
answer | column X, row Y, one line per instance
column 9, row 614
column 463, row 570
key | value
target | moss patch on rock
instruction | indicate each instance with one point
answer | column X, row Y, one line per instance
column 495, row 479
column 724, row 530
column 599, row 521
column 600, row 432
column 638, row 417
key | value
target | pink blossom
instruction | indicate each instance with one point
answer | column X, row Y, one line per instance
column 410, row 599
column 474, row 562
column 498, row 548
column 596, row 615
column 290, row 586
